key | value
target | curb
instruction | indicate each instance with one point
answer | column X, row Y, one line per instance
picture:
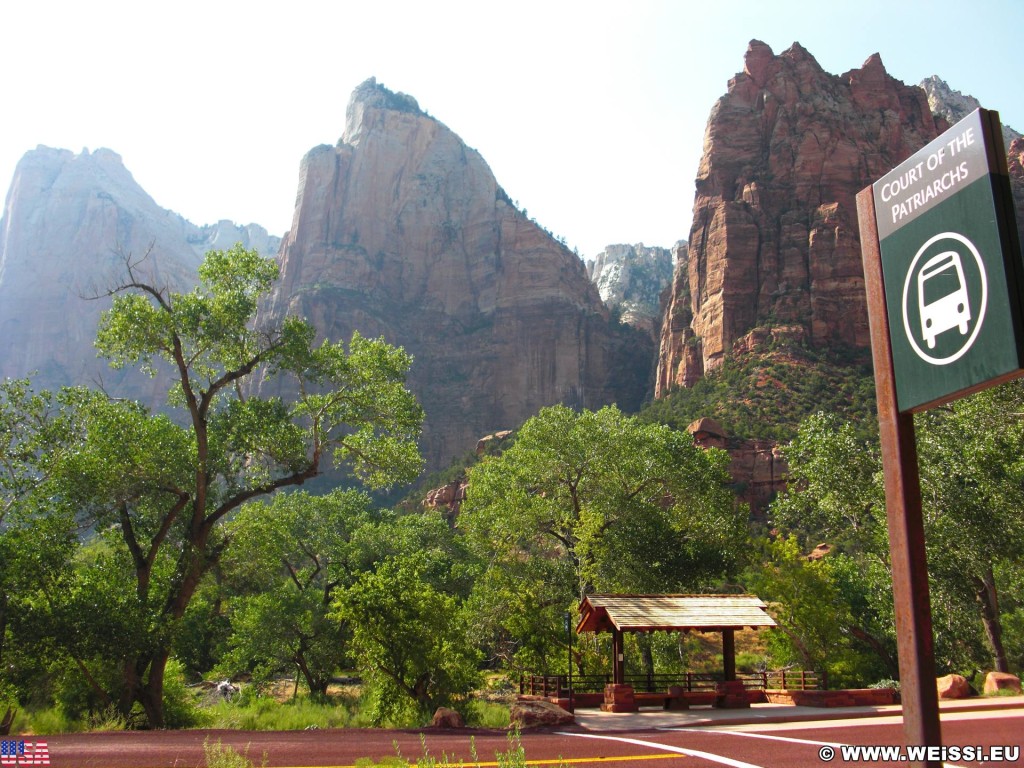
column 838, row 713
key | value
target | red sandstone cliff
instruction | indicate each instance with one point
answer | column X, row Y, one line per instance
column 774, row 237
column 402, row 231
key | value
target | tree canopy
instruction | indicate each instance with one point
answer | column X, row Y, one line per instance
column 166, row 481
column 597, row 501
column 972, row 492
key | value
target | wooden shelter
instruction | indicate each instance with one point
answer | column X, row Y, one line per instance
column 619, row 614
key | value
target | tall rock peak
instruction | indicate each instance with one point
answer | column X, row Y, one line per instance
column 67, row 221
column 758, row 62
column 631, row 278
column 371, row 95
column 774, row 240
column 402, row 231
column 798, row 53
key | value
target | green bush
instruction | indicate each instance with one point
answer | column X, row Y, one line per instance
column 180, row 706
column 487, row 714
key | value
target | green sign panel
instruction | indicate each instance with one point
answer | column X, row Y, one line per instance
column 951, row 266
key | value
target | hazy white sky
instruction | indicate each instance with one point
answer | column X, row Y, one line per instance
column 591, row 114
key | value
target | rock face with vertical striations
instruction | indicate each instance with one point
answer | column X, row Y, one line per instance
column 402, row 231
column 774, row 237
column 68, row 221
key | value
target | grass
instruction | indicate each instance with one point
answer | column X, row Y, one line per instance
column 254, row 713
column 54, row 720
column 513, row 757
column 218, row 756
column 267, row 714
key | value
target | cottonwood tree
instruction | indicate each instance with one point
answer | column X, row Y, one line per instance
column 972, row 483
column 410, row 639
column 166, row 482
column 596, row 501
column 287, row 562
column 35, row 541
column 972, row 486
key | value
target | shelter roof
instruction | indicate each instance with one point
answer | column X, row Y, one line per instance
column 649, row 613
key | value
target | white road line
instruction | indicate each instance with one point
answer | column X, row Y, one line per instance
column 760, row 736
column 776, row 738
column 667, row 747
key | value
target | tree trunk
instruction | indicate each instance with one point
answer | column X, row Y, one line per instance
column 879, row 648
column 646, row 653
column 130, row 686
column 151, row 695
column 421, row 691
column 317, row 685
column 7, row 721
column 988, row 597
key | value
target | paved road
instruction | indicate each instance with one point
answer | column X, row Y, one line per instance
column 738, row 745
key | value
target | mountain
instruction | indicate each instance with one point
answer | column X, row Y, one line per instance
column 955, row 106
column 402, row 231
column 766, row 318
column 631, row 278
column 67, row 223
column 774, row 246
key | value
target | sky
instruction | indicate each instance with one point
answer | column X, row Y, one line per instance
column 590, row 114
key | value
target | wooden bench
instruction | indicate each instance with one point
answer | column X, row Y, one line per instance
column 672, row 700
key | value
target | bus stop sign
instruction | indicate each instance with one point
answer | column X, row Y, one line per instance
column 951, row 266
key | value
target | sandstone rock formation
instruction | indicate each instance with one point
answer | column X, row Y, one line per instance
column 774, row 237
column 631, row 278
column 447, row 498
column 538, row 713
column 955, row 106
column 819, row 552
column 996, row 682
column 757, row 467
column 446, row 717
column 67, row 222
column 492, row 443
column 402, row 231
column 953, row 687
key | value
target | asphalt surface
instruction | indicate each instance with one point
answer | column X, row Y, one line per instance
column 763, row 736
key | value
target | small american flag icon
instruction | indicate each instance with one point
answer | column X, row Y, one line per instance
column 18, row 752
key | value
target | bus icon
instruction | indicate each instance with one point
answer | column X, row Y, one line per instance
column 942, row 296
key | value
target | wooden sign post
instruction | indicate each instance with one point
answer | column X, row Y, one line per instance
column 943, row 278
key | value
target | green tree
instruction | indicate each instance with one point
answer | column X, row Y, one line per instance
column 597, row 501
column 37, row 540
column 834, row 487
column 166, row 483
column 410, row 639
column 972, row 480
column 288, row 559
column 819, row 608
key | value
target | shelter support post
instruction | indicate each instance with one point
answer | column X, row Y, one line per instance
column 729, row 653
column 618, row 658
